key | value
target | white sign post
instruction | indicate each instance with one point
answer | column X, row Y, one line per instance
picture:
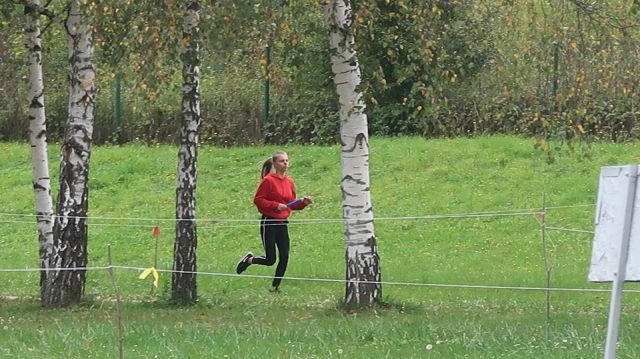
column 615, row 256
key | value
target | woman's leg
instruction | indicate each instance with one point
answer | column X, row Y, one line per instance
column 268, row 233
column 282, row 241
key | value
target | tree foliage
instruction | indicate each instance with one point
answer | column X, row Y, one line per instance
column 551, row 68
column 414, row 52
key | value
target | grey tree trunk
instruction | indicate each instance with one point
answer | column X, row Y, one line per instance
column 38, row 140
column 362, row 261
column 70, row 228
column 183, row 283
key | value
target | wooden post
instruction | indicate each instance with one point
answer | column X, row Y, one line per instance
column 547, row 267
column 118, row 305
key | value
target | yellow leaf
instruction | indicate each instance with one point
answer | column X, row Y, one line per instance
column 152, row 270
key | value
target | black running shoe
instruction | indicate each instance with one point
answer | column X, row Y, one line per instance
column 244, row 263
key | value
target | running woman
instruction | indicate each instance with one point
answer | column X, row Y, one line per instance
column 275, row 198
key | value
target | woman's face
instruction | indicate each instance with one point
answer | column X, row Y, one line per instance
column 281, row 163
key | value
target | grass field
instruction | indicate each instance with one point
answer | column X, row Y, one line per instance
column 132, row 188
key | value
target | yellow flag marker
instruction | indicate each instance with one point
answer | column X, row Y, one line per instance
column 146, row 273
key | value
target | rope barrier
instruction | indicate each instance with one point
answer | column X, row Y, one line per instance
column 569, row 230
column 255, row 222
column 516, row 212
column 316, row 220
column 573, row 206
column 329, row 280
column 470, row 214
column 5, row 270
column 251, row 222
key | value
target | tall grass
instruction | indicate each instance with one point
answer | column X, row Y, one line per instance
column 132, row 189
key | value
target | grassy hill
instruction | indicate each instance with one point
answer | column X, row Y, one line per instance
column 455, row 219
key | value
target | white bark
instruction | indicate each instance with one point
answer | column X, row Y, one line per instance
column 184, row 280
column 38, row 140
column 361, row 252
column 70, row 228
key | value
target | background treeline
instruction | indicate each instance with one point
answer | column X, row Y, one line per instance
column 549, row 68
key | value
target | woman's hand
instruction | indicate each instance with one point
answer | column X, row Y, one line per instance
column 281, row 207
column 307, row 200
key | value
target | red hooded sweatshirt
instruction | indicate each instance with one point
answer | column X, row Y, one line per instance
column 274, row 190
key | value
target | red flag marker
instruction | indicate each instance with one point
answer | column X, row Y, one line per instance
column 156, row 231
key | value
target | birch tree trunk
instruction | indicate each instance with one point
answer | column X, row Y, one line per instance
column 362, row 261
column 38, row 140
column 70, row 228
column 183, row 281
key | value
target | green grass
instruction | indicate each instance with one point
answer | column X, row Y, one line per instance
column 237, row 317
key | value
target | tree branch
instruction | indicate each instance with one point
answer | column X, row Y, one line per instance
column 39, row 9
column 592, row 8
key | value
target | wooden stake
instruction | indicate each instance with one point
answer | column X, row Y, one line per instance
column 118, row 305
column 547, row 267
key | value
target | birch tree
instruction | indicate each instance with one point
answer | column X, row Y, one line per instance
column 38, row 140
column 70, row 227
column 363, row 286
column 183, row 282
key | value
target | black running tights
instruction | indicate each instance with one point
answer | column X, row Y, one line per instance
column 274, row 234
